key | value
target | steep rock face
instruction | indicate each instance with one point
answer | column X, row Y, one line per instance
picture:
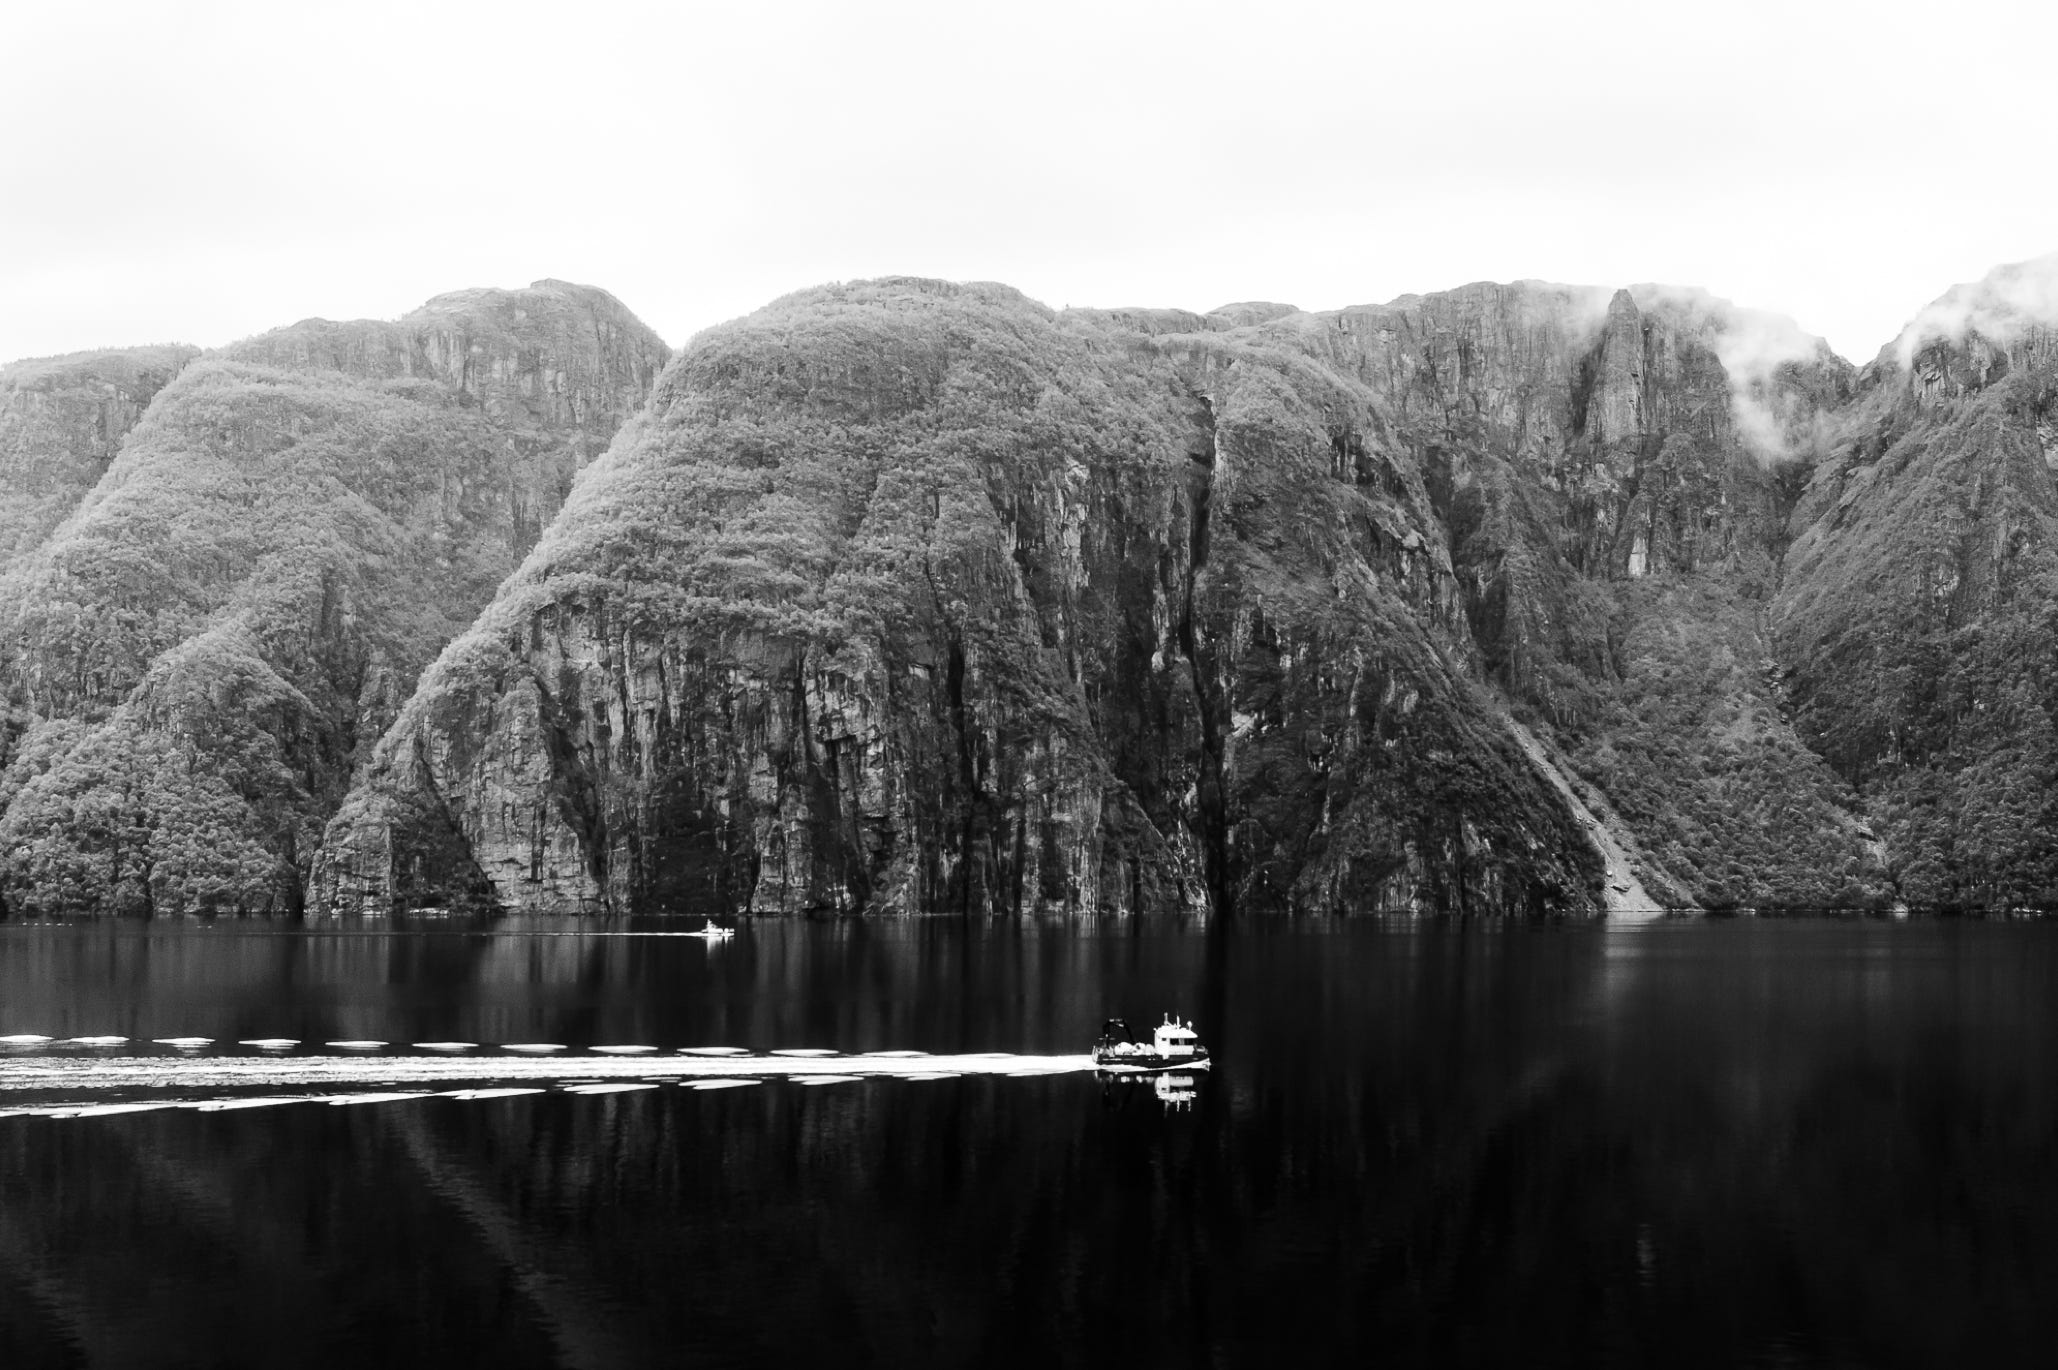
column 1916, row 619
column 288, row 536
column 556, row 368
column 1655, row 420
column 62, row 419
column 916, row 596
column 1615, row 471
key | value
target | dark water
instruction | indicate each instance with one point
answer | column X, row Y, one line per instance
column 1686, row 1144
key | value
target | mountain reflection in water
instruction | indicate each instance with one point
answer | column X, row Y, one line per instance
column 1687, row 1143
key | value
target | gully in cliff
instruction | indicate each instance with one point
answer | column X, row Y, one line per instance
column 1172, row 1047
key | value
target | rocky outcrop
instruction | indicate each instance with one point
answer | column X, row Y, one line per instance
column 555, row 368
column 288, row 536
column 916, row 596
column 1658, row 416
column 62, row 419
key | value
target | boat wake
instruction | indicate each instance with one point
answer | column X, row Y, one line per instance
column 54, row 1084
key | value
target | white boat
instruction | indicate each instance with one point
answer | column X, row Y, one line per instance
column 713, row 933
column 1174, row 1046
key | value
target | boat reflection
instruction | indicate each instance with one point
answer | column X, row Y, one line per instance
column 1177, row 1092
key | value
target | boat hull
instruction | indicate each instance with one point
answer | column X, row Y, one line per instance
column 1146, row 1062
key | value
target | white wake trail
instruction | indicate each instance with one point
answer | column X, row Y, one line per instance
column 76, row 1085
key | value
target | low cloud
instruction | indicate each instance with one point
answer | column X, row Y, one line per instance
column 1581, row 310
column 2001, row 308
column 1772, row 420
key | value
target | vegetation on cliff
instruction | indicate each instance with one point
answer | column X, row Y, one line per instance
column 62, row 419
column 906, row 595
column 1919, row 613
column 193, row 661
column 917, row 596
column 1688, row 739
column 1613, row 473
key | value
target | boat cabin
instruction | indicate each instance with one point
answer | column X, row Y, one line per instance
column 1174, row 1038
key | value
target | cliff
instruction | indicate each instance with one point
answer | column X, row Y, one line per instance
column 909, row 596
column 62, row 419
column 293, row 529
column 1915, row 624
column 1614, row 471
column 1238, row 633
column 905, row 595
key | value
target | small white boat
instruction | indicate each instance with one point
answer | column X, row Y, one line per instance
column 713, row 933
column 1174, row 1046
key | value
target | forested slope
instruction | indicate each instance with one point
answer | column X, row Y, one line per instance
column 1918, row 622
column 62, row 419
column 291, row 532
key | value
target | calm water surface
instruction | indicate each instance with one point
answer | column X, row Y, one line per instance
column 1695, row 1143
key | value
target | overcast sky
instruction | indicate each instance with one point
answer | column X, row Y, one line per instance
column 203, row 171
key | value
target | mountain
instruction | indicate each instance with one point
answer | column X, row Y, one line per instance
column 195, row 657
column 1919, row 614
column 909, row 596
column 62, row 419
column 1614, row 472
column 912, row 595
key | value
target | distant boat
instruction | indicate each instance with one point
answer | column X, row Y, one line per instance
column 1174, row 1046
column 714, row 933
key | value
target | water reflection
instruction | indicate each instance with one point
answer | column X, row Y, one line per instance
column 1713, row 1144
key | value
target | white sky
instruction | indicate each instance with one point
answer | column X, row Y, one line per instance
column 202, row 171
